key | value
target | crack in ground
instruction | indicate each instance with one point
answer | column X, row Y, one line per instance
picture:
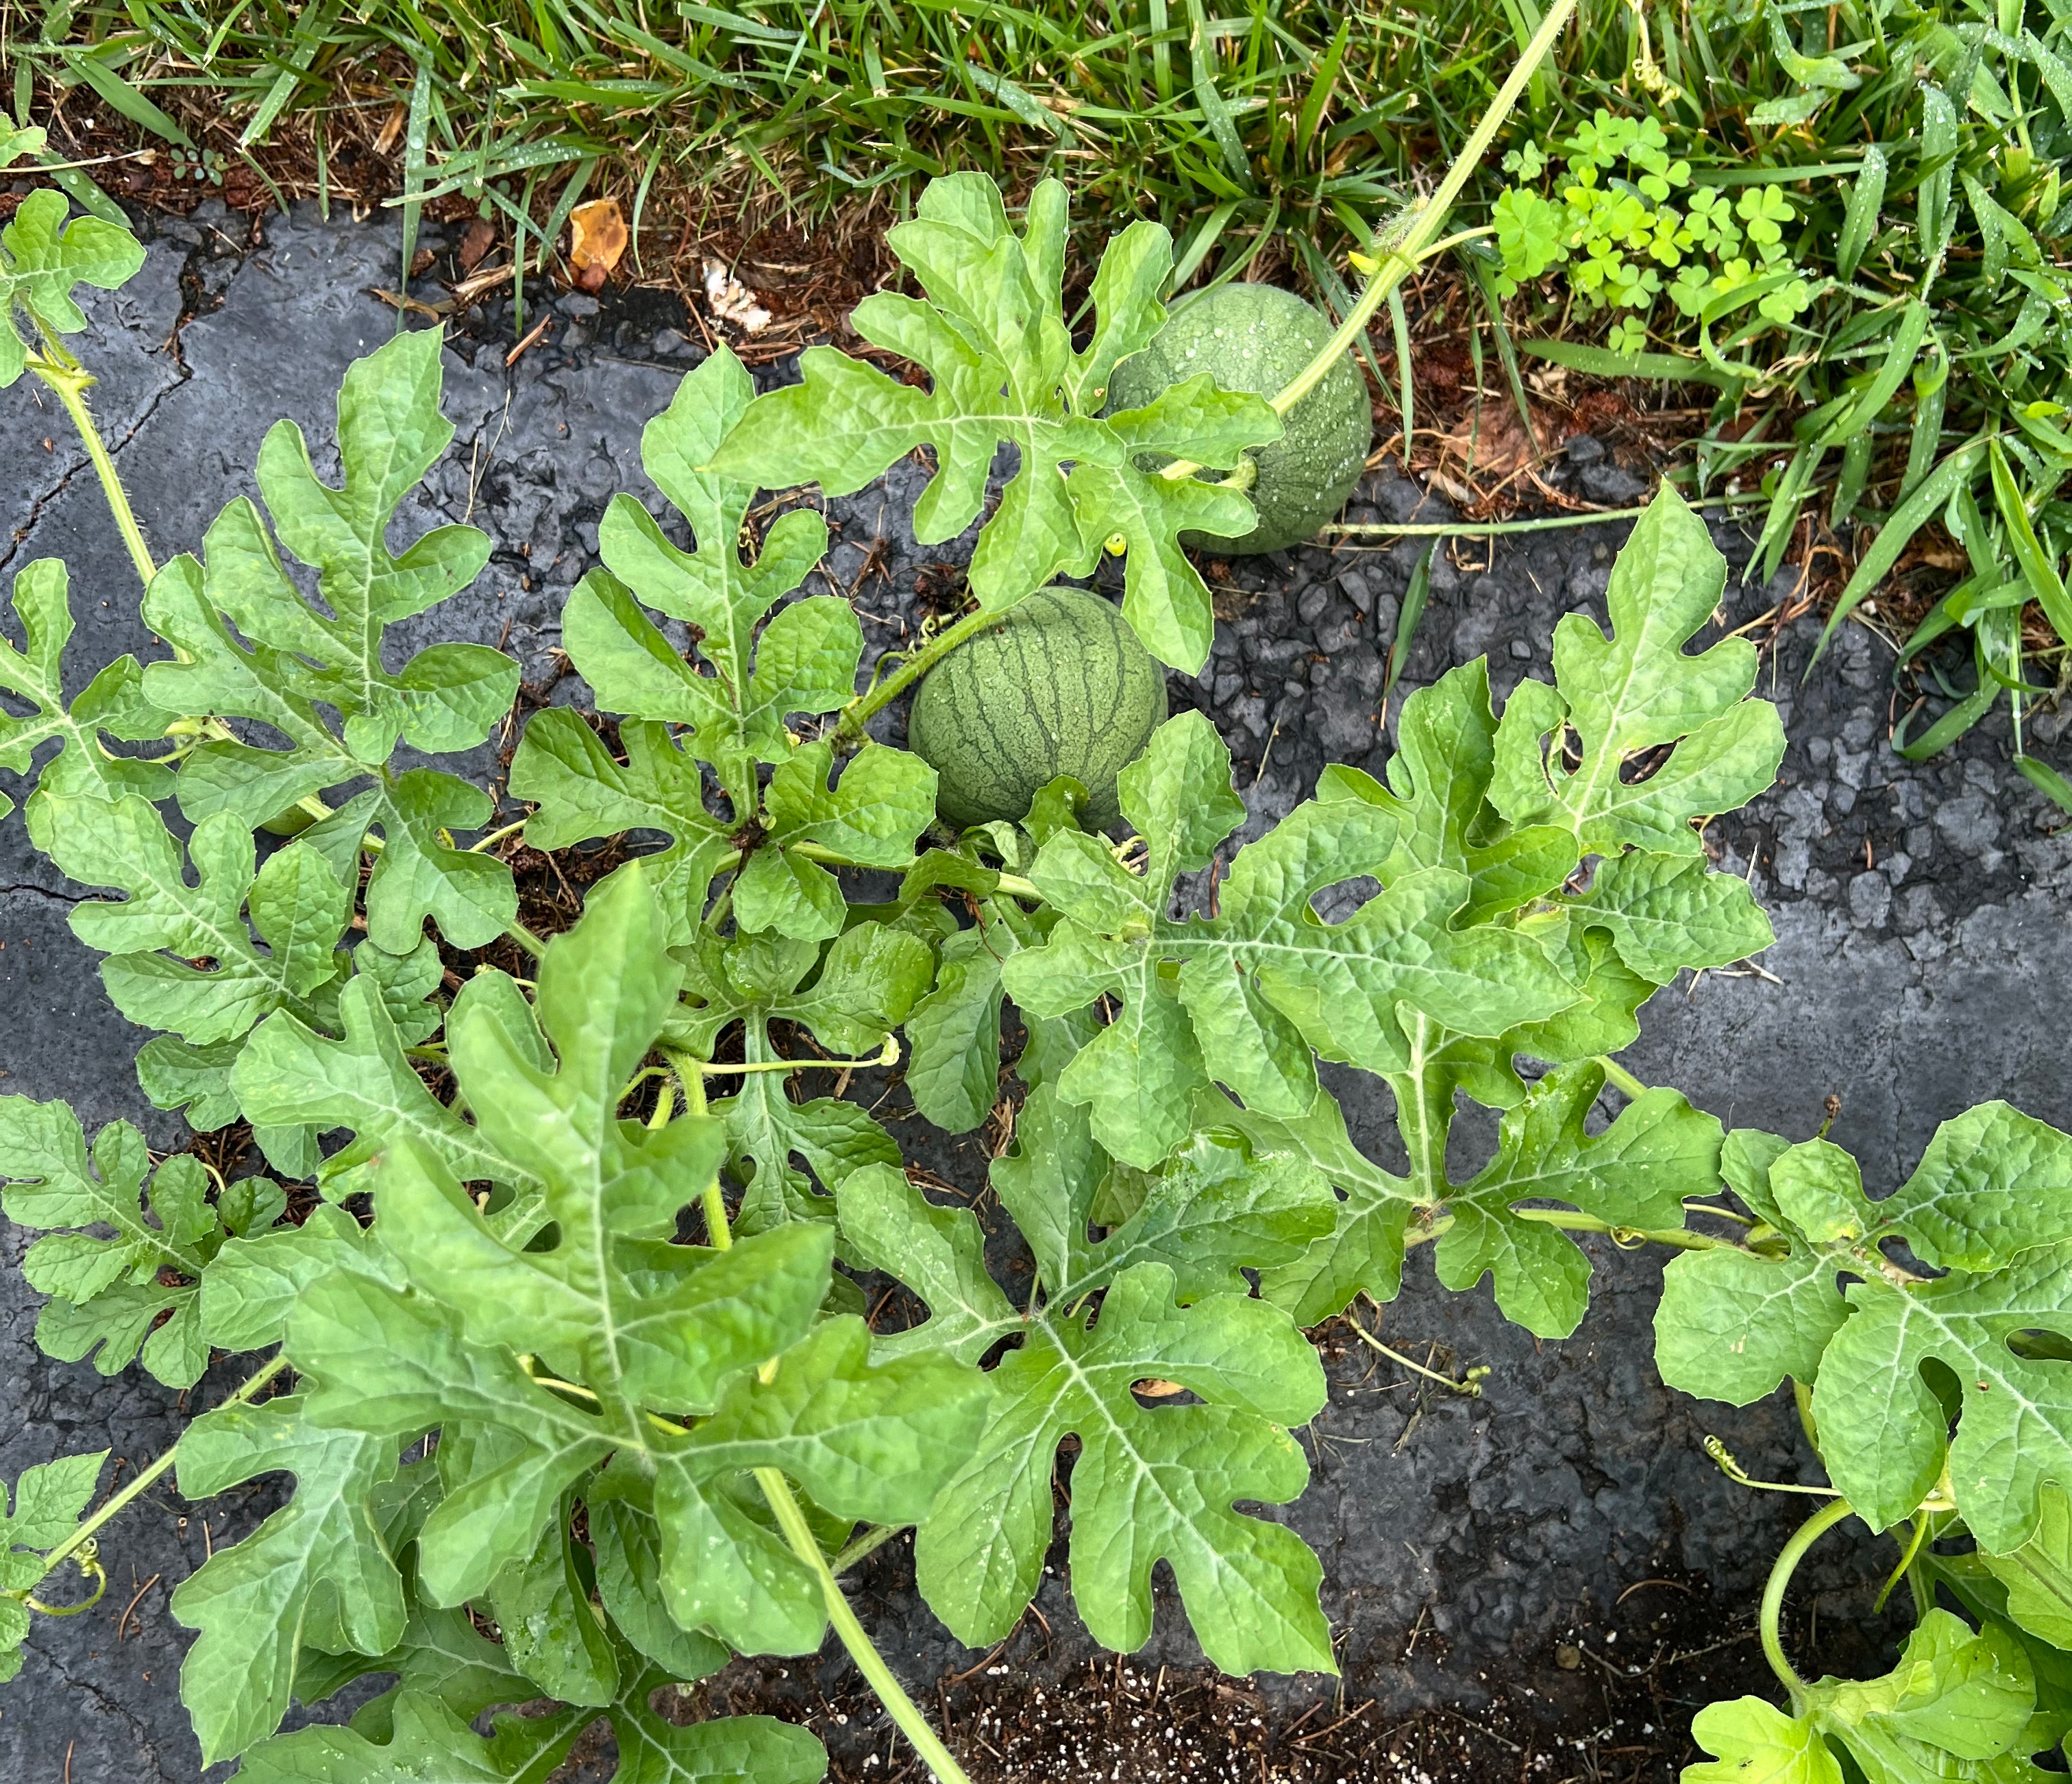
column 54, row 897
column 116, row 448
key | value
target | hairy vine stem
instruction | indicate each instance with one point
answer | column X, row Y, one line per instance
column 1780, row 1578
column 69, row 382
column 146, row 1477
column 691, row 1072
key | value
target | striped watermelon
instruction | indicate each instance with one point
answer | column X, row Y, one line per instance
column 1259, row 338
column 1059, row 686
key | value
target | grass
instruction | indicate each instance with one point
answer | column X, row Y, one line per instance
column 1917, row 391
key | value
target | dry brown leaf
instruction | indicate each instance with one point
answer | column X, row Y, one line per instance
column 597, row 241
column 476, row 239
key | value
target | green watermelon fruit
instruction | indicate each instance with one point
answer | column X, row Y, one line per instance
column 1059, row 686
column 1259, row 338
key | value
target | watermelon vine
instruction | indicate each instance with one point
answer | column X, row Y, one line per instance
column 571, row 1347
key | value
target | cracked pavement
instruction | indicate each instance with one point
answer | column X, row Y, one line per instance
column 1910, row 982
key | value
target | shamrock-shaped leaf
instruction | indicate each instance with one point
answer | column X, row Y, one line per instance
column 42, row 259
column 287, row 658
column 1244, row 998
column 992, row 336
column 112, row 704
column 1627, row 697
column 49, row 1501
column 137, row 1289
column 316, row 1570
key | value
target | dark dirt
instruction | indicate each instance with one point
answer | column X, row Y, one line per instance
column 1542, row 1583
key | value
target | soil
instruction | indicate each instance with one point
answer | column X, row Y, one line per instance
column 1541, row 1582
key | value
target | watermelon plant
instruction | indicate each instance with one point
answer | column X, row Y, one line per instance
column 563, row 1341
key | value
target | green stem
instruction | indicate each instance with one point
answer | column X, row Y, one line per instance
column 1780, row 1577
column 1400, row 255
column 1486, row 529
column 691, row 1071
column 890, row 1693
column 145, row 1478
column 875, row 1538
column 71, row 382
column 1682, row 1238
column 866, row 706
column 886, row 1055
column 1013, row 884
column 691, row 1074
column 1618, row 1074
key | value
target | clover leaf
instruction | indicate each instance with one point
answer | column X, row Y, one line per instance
column 991, row 334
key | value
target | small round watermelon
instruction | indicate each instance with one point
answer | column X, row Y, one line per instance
column 1259, row 338
column 1059, row 686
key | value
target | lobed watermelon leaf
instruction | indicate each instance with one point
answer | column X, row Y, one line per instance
column 48, row 1501
column 803, row 660
column 252, row 646
column 42, row 258
column 112, row 704
column 991, row 334
column 136, row 1292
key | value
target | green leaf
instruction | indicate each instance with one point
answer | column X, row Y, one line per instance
column 1753, row 1742
column 1883, row 1429
column 50, row 1499
column 550, row 1633
column 110, row 1296
column 41, row 260
column 564, row 768
column 939, row 1253
column 1362, row 1254
column 953, row 1033
column 991, row 334
column 1666, row 912
column 2038, row 1575
column 1957, row 1706
column 287, row 658
column 620, row 1320
column 1438, row 788
column 1636, row 1173
column 1150, row 1484
column 867, row 981
column 316, row 1570
column 1259, row 986
column 1733, row 1326
column 803, row 661
column 112, row 704
column 298, row 908
column 1993, row 1183
column 1634, row 692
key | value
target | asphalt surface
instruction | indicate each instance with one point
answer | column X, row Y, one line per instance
column 1470, row 1546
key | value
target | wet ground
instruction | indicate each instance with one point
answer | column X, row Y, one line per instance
column 1540, row 1582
